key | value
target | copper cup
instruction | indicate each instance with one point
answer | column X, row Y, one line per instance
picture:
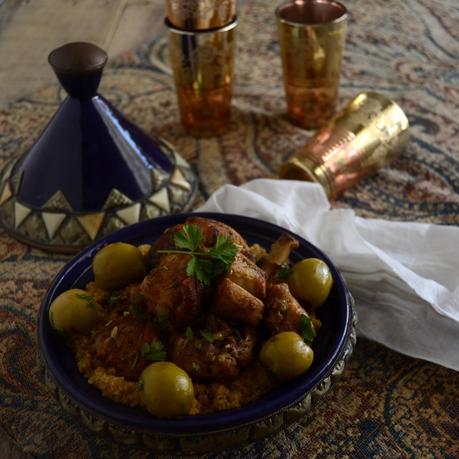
column 312, row 35
column 202, row 63
column 368, row 133
column 200, row 14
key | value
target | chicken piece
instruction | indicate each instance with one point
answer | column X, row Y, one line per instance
column 245, row 273
column 173, row 298
column 235, row 303
column 217, row 361
column 117, row 345
column 211, row 229
column 282, row 310
column 279, row 254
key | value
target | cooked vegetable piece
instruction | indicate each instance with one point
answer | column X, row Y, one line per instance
column 311, row 280
column 74, row 309
column 279, row 254
column 167, row 390
column 117, row 265
column 286, row 355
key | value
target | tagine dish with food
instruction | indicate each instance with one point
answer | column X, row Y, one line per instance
column 197, row 322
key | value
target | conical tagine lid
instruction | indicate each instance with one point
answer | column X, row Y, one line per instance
column 91, row 171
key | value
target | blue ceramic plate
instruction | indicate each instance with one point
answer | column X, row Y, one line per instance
column 329, row 345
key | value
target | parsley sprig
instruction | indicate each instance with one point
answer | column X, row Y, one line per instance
column 88, row 299
column 306, row 329
column 205, row 265
column 283, row 272
column 153, row 351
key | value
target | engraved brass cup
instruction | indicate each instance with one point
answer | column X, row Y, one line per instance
column 200, row 14
column 202, row 63
column 311, row 36
column 369, row 132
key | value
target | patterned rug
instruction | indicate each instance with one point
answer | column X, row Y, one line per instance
column 385, row 404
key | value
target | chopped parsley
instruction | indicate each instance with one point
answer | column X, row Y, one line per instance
column 283, row 272
column 153, row 351
column 88, row 299
column 135, row 360
column 195, row 367
column 204, row 265
column 138, row 311
column 306, row 329
column 162, row 318
column 114, row 298
column 189, row 334
column 207, row 335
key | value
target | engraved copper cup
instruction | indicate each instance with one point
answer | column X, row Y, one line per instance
column 368, row 133
column 311, row 36
column 202, row 63
column 200, row 14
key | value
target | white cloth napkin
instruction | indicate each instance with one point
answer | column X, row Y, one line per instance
column 404, row 276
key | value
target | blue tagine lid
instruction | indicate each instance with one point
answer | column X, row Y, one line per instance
column 91, row 171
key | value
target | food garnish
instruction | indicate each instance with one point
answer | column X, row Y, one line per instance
column 207, row 335
column 205, row 265
column 88, row 299
column 307, row 329
column 153, row 351
column 189, row 334
column 283, row 272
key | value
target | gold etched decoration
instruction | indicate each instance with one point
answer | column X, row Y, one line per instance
column 7, row 170
column 92, row 421
column 15, row 181
column 188, row 174
column 91, row 223
column 216, row 441
column 124, row 435
column 158, row 177
column 149, row 211
column 180, row 162
column 179, row 180
column 34, row 228
column 116, row 199
column 72, row 234
column 6, row 193
column 267, row 426
column 297, row 411
column 20, row 213
column 130, row 215
column 178, row 197
column 7, row 213
column 52, row 221
column 168, row 149
column 161, row 199
column 159, row 442
column 57, row 201
column 112, row 224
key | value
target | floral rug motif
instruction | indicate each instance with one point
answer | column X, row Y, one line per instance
column 385, row 404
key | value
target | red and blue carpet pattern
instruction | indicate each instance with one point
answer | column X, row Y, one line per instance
column 385, row 404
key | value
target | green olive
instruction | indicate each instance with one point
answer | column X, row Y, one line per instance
column 286, row 355
column 311, row 280
column 117, row 265
column 74, row 309
column 167, row 390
